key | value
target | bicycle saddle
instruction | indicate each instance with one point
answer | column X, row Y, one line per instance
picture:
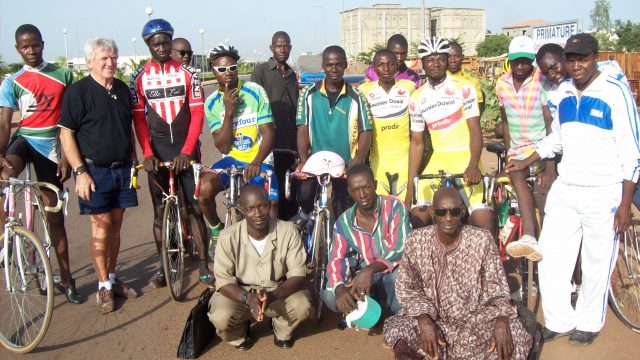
column 325, row 162
column 496, row 148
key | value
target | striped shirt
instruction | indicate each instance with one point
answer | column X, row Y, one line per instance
column 353, row 247
column 524, row 112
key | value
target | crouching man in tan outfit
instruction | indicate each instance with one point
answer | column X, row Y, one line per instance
column 260, row 269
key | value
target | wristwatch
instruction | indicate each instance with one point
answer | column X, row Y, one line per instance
column 79, row 170
column 243, row 298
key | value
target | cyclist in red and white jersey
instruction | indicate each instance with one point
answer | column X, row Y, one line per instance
column 171, row 95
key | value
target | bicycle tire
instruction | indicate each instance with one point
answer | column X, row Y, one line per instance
column 30, row 328
column 320, row 237
column 173, row 249
column 624, row 292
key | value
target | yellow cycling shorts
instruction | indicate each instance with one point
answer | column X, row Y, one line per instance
column 453, row 162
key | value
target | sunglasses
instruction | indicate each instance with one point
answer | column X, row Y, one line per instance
column 184, row 52
column 441, row 212
column 222, row 69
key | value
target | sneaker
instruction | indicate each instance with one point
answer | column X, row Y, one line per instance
column 300, row 220
column 549, row 335
column 104, row 298
column 119, row 289
column 582, row 338
column 527, row 246
column 208, row 279
column 213, row 239
column 158, row 280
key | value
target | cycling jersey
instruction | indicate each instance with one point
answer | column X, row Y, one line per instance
column 171, row 94
column 334, row 128
column 37, row 93
column 252, row 110
column 472, row 79
column 391, row 128
column 444, row 110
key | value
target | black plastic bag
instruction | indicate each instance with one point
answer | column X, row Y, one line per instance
column 198, row 330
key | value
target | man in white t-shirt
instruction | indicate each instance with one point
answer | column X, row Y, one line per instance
column 260, row 267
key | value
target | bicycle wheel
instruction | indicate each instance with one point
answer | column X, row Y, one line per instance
column 26, row 305
column 624, row 293
column 172, row 249
column 320, row 238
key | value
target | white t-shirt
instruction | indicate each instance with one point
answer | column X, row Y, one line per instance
column 258, row 244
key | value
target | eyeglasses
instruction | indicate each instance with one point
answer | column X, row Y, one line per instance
column 184, row 52
column 441, row 212
column 223, row 69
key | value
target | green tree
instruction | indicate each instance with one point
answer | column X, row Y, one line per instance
column 367, row 56
column 600, row 19
column 628, row 36
column 493, row 45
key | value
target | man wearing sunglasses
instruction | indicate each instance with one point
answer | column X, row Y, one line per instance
column 368, row 240
column 240, row 121
column 170, row 95
column 181, row 51
column 453, row 292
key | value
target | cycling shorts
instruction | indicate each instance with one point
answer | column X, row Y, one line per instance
column 45, row 168
column 228, row 161
column 453, row 162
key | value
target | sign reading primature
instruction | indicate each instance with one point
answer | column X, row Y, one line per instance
column 554, row 33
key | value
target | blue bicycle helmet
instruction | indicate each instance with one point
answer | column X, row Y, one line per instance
column 155, row 26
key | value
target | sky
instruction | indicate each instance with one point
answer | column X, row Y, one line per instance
column 247, row 24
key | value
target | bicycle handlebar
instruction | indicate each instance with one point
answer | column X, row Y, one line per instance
column 442, row 176
column 301, row 175
column 39, row 184
column 134, row 171
column 233, row 171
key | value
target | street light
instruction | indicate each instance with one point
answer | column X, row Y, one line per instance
column 135, row 53
column 324, row 20
column 148, row 10
column 203, row 65
column 78, row 38
column 66, row 49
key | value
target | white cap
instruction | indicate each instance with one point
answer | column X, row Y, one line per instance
column 521, row 47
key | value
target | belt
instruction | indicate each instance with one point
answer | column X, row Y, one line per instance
column 115, row 164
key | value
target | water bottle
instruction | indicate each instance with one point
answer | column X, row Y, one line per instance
column 506, row 229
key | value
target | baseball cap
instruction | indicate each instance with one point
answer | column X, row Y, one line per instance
column 521, row 47
column 581, row 44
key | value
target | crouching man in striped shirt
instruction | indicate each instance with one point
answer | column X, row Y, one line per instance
column 368, row 240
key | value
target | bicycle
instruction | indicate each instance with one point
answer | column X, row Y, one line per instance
column 232, row 193
column 26, row 278
column 175, row 228
column 624, row 292
column 317, row 234
column 501, row 194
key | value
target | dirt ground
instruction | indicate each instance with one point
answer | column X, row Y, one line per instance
column 150, row 326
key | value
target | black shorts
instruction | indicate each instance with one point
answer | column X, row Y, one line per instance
column 45, row 168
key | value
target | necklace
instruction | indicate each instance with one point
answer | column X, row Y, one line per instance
column 111, row 94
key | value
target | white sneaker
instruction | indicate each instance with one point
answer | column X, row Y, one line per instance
column 527, row 246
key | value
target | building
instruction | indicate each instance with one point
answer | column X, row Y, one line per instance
column 363, row 27
column 522, row 28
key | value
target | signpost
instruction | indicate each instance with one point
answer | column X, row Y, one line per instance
column 554, row 33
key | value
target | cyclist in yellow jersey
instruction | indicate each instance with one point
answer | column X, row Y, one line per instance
column 447, row 107
column 388, row 100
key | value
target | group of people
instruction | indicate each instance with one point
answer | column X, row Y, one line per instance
column 443, row 282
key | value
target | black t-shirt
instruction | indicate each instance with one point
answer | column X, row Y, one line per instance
column 101, row 119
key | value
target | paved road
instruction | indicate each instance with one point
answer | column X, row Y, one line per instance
column 149, row 327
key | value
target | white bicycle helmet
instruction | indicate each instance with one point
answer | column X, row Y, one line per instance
column 324, row 162
column 436, row 45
